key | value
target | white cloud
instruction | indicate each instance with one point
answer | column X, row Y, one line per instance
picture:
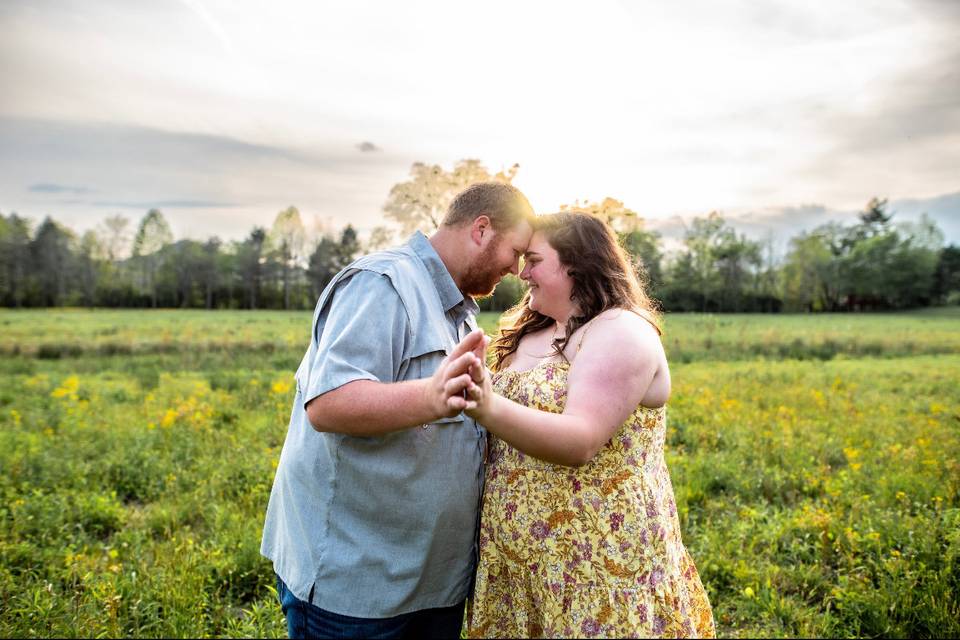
column 673, row 108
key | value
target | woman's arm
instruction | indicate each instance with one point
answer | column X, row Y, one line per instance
column 617, row 361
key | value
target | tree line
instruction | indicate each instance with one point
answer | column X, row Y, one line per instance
column 873, row 263
column 53, row 266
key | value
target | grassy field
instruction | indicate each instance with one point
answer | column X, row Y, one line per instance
column 57, row 334
column 816, row 461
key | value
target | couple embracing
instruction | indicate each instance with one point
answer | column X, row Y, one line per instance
column 413, row 479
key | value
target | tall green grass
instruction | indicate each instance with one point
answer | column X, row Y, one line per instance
column 818, row 492
column 73, row 334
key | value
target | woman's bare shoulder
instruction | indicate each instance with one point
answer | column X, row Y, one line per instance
column 622, row 334
column 624, row 320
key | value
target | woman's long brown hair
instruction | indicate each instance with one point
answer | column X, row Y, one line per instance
column 603, row 278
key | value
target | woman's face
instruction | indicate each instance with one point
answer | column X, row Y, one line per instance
column 550, row 285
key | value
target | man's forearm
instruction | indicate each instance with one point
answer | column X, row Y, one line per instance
column 369, row 408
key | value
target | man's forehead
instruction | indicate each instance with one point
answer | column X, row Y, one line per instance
column 519, row 236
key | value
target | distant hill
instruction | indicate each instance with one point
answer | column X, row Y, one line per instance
column 782, row 223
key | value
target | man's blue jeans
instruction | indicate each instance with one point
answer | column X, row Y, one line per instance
column 306, row 620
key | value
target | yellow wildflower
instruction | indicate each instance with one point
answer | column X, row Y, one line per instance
column 168, row 419
column 68, row 389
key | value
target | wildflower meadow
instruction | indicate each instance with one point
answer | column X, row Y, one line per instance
column 815, row 459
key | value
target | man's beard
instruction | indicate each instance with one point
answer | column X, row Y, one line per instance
column 482, row 278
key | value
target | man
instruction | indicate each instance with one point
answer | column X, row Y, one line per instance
column 373, row 515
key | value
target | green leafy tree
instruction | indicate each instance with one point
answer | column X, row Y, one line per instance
column 421, row 202
column 642, row 245
column 91, row 266
column 866, row 268
column 287, row 236
column 947, row 276
column 14, row 259
column 228, row 275
column 209, row 274
column 381, row 237
column 349, row 245
column 114, row 233
column 718, row 269
column 152, row 235
column 875, row 216
column 183, row 272
column 911, row 277
column 329, row 256
column 323, row 264
column 621, row 218
column 804, row 273
column 833, row 273
column 737, row 261
column 52, row 262
column 508, row 293
column 766, row 291
column 115, row 269
column 250, row 262
column 883, row 265
column 701, row 240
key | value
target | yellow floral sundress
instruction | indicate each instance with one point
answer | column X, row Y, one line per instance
column 593, row 551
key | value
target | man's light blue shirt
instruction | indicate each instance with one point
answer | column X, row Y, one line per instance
column 375, row 527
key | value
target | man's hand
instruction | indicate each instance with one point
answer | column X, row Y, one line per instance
column 444, row 390
column 371, row 408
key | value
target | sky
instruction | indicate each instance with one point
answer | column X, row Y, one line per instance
column 781, row 115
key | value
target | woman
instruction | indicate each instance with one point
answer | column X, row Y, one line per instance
column 579, row 532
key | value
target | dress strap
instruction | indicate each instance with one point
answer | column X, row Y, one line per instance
column 646, row 316
column 583, row 335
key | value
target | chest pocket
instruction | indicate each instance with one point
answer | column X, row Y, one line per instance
column 426, row 355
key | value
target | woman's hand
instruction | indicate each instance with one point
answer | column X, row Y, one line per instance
column 480, row 390
column 466, row 383
column 446, row 390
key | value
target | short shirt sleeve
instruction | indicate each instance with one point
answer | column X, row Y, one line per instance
column 363, row 330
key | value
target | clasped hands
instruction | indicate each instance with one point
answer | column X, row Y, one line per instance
column 462, row 382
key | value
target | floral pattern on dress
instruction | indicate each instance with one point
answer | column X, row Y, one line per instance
column 593, row 551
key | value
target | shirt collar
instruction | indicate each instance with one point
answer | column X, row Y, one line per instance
column 450, row 295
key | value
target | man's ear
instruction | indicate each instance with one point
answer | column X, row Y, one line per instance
column 480, row 228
